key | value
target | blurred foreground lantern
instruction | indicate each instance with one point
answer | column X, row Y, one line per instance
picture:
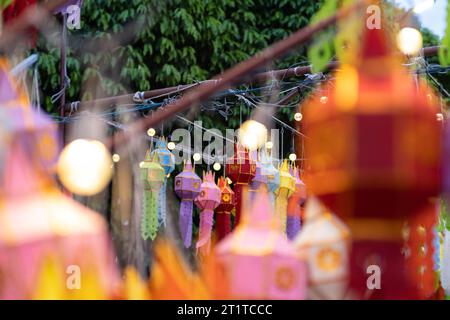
column 374, row 152
column 167, row 161
column 187, row 187
column 223, row 211
column 295, row 206
column 241, row 170
column 285, row 190
column 152, row 177
column 325, row 242
column 257, row 259
column 376, row 142
column 44, row 234
column 207, row 201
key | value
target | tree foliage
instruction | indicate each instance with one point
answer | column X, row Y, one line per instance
column 135, row 45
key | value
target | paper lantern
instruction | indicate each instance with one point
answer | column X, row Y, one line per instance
column 257, row 260
column 207, row 201
column 223, row 211
column 167, row 161
column 187, row 187
column 285, row 190
column 241, row 170
column 295, row 206
column 152, row 177
column 272, row 174
column 325, row 242
column 260, row 177
column 375, row 148
column 51, row 247
column 15, row 9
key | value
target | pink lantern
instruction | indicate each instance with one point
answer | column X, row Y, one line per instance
column 207, row 201
column 187, row 187
column 259, row 262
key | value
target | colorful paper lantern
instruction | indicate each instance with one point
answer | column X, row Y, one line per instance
column 241, row 170
column 260, row 177
column 207, row 201
column 295, row 206
column 257, row 260
column 167, row 161
column 325, row 242
column 152, row 177
column 374, row 158
column 187, row 187
column 223, row 211
column 285, row 190
column 272, row 174
column 375, row 148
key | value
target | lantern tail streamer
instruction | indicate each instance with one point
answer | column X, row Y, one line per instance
column 204, row 237
column 293, row 226
column 162, row 209
column 281, row 205
column 149, row 225
column 186, row 222
column 238, row 193
column 223, row 224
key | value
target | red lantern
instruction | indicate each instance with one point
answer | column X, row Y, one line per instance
column 241, row 170
column 223, row 211
column 374, row 152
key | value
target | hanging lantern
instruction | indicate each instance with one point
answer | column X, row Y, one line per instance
column 260, row 177
column 241, row 170
column 272, row 174
column 374, row 158
column 223, row 211
column 207, row 201
column 257, row 259
column 152, row 177
column 15, row 9
column 325, row 242
column 376, row 141
column 295, row 206
column 167, row 161
column 44, row 234
column 286, row 189
column 187, row 187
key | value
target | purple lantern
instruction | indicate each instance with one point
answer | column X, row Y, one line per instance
column 207, row 201
column 260, row 176
column 187, row 187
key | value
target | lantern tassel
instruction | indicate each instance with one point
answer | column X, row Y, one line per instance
column 223, row 224
column 149, row 219
column 281, row 205
column 162, row 209
column 238, row 193
column 292, row 226
column 204, row 236
column 185, row 222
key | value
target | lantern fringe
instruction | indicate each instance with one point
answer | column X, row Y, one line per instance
column 281, row 205
column 149, row 219
column 185, row 222
column 292, row 226
column 204, row 236
column 162, row 209
column 223, row 224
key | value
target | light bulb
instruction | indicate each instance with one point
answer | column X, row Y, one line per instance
column 151, row 132
column 298, row 116
column 409, row 41
column 252, row 134
column 171, row 145
column 292, row 157
column 115, row 157
column 217, row 166
column 196, row 156
column 84, row 167
column 323, row 99
column 269, row 145
column 439, row 117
